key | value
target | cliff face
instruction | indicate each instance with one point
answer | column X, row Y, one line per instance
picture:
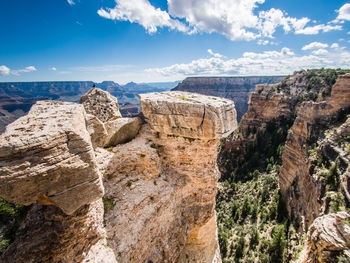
column 233, row 88
column 301, row 182
column 159, row 187
column 296, row 132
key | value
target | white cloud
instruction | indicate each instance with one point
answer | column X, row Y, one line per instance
column 217, row 55
column 263, row 42
column 315, row 45
column 266, row 63
column 314, row 30
column 335, row 45
column 320, row 51
column 270, row 20
column 344, row 12
column 4, row 71
column 25, row 70
column 7, row 71
column 143, row 13
column 53, row 68
column 235, row 19
column 71, row 2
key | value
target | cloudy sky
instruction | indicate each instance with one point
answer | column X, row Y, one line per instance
column 166, row 40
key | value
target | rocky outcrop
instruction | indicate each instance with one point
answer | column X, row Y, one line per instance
column 101, row 104
column 121, row 130
column 161, row 186
column 328, row 239
column 106, row 126
column 49, row 235
column 233, row 88
column 47, row 156
column 188, row 114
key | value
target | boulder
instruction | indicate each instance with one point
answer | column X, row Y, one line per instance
column 328, row 237
column 96, row 130
column 101, row 104
column 189, row 114
column 47, row 156
column 121, row 130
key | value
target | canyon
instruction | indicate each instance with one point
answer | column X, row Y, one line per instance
column 185, row 183
column 291, row 156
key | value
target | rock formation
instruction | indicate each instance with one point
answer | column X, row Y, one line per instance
column 101, row 104
column 47, row 156
column 328, row 238
column 105, row 124
column 233, row 88
column 160, row 187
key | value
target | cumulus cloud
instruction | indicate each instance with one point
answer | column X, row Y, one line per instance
column 344, row 12
column 235, row 19
column 5, row 71
column 320, row 51
column 335, row 45
column 276, row 62
column 315, row 45
column 314, row 30
column 71, row 2
column 53, row 68
column 143, row 13
column 217, row 55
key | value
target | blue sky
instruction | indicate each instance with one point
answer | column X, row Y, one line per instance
column 154, row 40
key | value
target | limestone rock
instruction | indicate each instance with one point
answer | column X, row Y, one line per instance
column 121, row 130
column 47, row 156
column 189, row 114
column 48, row 235
column 328, row 237
column 96, row 130
column 161, row 190
column 101, row 104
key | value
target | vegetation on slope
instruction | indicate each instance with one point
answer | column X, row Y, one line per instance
column 253, row 222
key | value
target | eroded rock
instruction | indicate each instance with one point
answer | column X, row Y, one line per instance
column 328, row 238
column 121, row 130
column 47, row 156
column 101, row 104
column 188, row 114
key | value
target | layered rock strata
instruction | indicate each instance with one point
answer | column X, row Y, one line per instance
column 300, row 185
column 47, row 156
column 161, row 186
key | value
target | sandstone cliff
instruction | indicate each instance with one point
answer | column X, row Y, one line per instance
column 159, row 187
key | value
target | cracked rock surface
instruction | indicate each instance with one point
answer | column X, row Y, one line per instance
column 47, row 156
column 189, row 114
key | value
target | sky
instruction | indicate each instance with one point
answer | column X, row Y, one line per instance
column 168, row 40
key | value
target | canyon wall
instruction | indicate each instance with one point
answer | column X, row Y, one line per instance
column 296, row 132
column 160, row 187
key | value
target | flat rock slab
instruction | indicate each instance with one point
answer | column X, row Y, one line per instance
column 121, row 130
column 47, row 156
column 189, row 114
